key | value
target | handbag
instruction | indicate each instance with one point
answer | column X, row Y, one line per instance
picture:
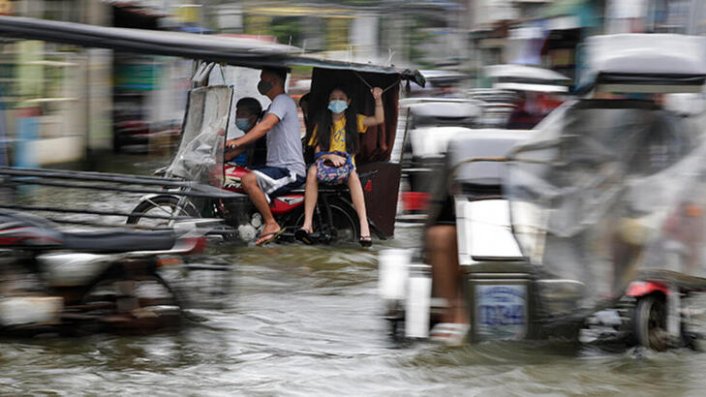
column 330, row 174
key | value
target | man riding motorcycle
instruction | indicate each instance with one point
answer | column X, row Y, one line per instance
column 285, row 168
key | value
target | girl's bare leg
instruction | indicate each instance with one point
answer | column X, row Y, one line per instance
column 359, row 203
column 311, row 194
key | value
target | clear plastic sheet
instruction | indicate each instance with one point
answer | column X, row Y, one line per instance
column 200, row 154
column 606, row 189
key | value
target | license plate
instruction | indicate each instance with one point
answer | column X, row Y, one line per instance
column 501, row 311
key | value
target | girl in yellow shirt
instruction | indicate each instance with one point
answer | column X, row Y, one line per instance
column 335, row 135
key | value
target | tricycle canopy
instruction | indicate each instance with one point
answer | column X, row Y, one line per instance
column 527, row 78
column 645, row 63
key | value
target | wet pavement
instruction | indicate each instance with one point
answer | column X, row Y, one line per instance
column 306, row 321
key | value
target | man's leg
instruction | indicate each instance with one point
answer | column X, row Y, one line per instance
column 258, row 198
column 442, row 254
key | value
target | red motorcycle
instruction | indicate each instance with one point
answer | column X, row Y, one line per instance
column 200, row 159
column 335, row 219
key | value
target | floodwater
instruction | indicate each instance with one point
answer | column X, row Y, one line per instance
column 306, row 321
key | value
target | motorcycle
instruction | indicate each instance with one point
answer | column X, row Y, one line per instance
column 592, row 230
column 208, row 119
column 54, row 281
column 200, row 158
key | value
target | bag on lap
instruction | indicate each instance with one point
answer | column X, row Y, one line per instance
column 327, row 173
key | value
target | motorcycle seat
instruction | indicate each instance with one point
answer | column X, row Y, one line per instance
column 114, row 241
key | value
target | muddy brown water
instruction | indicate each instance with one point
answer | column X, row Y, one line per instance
column 306, row 321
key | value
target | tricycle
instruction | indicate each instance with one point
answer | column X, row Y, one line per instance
column 590, row 229
column 207, row 123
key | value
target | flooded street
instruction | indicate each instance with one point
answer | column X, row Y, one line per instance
column 306, row 321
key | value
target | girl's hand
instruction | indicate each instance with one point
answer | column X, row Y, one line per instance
column 336, row 160
column 377, row 93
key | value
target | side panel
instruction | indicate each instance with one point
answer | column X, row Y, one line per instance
column 381, row 184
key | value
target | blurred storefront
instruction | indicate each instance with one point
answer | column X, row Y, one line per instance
column 568, row 23
column 55, row 99
column 535, row 32
column 149, row 92
column 60, row 103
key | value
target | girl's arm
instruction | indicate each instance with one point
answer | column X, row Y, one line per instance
column 379, row 116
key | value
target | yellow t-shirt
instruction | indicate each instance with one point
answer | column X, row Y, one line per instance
column 338, row 134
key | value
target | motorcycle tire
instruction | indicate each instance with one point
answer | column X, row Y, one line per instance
column 343, row 219
column 165, row 205
column 650, row 323
column 136, row 305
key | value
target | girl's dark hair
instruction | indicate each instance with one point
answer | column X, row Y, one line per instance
column 326, row 121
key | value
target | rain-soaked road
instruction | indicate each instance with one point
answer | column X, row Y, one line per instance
column 305, row 321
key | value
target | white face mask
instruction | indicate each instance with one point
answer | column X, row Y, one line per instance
column 337, row 106
column 243, row 124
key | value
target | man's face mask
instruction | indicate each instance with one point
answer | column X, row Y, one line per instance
column 263, row 87
column 243, row 124
column 337, row 106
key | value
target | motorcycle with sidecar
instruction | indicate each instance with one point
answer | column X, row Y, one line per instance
column 207, row 123
column 594, row 230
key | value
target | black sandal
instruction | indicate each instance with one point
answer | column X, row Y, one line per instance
column 303, row 236
column 365, row 241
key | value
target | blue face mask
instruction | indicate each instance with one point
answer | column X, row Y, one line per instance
column 243, row 124
column 337, row 106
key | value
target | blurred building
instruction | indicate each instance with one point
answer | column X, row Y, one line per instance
column 390, row 32
column 549, row 32
column 82, row 100
column 60, row 102
column 74, row 100
column 55, row 99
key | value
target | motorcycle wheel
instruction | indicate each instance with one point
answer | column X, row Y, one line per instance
column 344, row 221
column 131, row 305
column 345, row 224
column 167, row 206
column 650, row 323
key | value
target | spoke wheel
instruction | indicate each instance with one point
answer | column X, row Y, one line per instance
column 650, row 323
column 136, row 305
column 165, row 207
column 345, row 225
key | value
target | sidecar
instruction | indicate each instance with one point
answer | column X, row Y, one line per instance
column 595, row 221
column 610, row 192
column 223, row 65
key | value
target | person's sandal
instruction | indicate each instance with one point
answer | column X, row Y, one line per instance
column 450, row 334
column 269, row 237
column 365, row 241
column 303, row 236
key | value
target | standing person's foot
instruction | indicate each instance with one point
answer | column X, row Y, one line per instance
column 450, row 334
